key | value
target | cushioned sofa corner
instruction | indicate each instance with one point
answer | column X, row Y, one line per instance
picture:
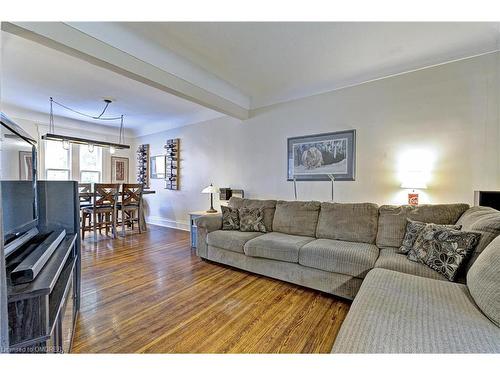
column 400, row 313
column 391, row 230
column 408, row 309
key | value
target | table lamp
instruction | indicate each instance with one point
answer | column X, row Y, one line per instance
column 414, row 180
column 211, row 190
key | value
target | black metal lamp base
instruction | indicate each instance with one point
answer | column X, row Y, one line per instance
column 211, row 210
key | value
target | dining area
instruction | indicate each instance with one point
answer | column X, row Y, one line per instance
column 105, row 207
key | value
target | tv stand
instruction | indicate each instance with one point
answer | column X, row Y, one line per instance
column 42, row 313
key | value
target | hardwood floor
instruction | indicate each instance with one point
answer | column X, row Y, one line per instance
column 150, row 293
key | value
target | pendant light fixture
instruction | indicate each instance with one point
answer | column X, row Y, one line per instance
column 91, row 143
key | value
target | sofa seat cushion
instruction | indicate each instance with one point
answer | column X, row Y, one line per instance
column 348, row 258
column 232, row 240
column 390, row 259
column 278, row 246
column 398, row 313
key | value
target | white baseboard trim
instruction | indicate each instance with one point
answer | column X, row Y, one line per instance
column 162, row 222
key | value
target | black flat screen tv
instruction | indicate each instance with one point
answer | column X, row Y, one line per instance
column 18, row 179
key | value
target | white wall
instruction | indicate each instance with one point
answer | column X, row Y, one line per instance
column 9, row 157
column 450, row 111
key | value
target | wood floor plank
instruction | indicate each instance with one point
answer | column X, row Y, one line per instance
column 150, row 293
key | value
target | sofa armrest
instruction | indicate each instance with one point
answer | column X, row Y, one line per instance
column 204, row 225
column 209, row 222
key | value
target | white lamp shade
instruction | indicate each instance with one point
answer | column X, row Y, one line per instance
column 414, row 180
column 210, row 190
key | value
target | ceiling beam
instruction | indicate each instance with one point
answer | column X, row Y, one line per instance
column 67, row 39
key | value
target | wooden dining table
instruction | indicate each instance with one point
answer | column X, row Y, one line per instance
column 88, row 202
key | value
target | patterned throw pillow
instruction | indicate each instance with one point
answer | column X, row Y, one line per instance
column 444, row 250
column 413, row 229
column 252, row 220
column 230, row 218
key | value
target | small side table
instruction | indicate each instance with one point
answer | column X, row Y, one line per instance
column 192, row 225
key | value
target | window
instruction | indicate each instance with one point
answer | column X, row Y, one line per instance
column 57, row 161
column 90, row 164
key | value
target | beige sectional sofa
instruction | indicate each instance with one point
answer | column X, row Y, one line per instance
column 350, row 250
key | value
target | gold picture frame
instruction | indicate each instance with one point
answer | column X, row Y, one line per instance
column 119, row 170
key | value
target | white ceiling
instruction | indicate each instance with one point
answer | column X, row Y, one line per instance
column 31, row 73
column 266, row 62
column 275, row 62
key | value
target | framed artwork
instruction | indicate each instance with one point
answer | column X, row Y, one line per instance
column 119, row 170
column 25, row 165
column 314, row 157
column 158, row 167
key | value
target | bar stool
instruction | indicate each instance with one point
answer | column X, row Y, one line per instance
column 131, row 205
column 103, row 212
column 85, row 192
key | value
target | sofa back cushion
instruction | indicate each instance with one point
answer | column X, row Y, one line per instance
column 298, row 218
column 356, row 222
column 267, row 206
column 483, row 281
column 392, row 219
column 484, row 220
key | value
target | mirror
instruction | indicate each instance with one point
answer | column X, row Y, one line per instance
column 158, row 167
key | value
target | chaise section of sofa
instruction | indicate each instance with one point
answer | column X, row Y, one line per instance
column 400, row 313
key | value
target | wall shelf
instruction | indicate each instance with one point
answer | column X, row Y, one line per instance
column 172, row 166
column 143, row 172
